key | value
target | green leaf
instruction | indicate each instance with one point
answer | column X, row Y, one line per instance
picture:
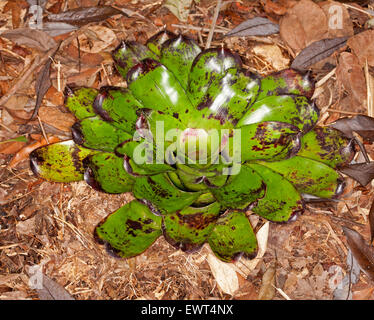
column 177, row 54
column 130, row 230
column 80, row 101
column 327, row 145
column 155, row 42
column 129, row 54
column 268, row 140
column 296, row 110
column 95, row 133
column 207, row 69
column 157, row 88
column 281, row 199
column 161, row 192
column 308, row 176
column 287, row 81
column 190, row 227
column 241, row 189
column 232, row 237
column 118, row 106
column 60, row 162
column 104, row 172
column 226, row 100
column 20, row 139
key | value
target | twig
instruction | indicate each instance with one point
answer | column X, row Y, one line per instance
column 43, row 131
column 4, row 126
column 210, row 35
column 360, row 143
column 344, row 112
column 282, row 293
column 189, row 27
column 358, row 9
column 10, row 246
column 106, row 74
column 369, row 89
column 325, row 78
column 13, row 54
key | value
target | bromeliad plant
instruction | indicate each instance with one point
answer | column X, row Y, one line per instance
column 199, row 141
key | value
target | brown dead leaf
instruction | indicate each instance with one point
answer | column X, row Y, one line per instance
column 358, row 16
column 53, row 291
column 86, row 58
column 362, row 45
column 275, row 7
column 85, row 78
column 303, row 24
column 11, row 147
column 82, row 16
column 247, row 290
column 56, row 118
column 339, row 22
column 96, row 39
column 54, row 96
column 363, row 253
column 15, row 7
column 24, row 153
column 32, row 38
column 17, row 102
column 272, row 54
column 267, row 290
column 363, row 293
column 351, row 76
column 292, row 32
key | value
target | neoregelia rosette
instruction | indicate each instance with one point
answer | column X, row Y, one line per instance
column 199, row 141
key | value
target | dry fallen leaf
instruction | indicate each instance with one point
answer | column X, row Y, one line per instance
column 362, row 45
column 363, row 294
column 96, row 39
column 361, row 124
column 303, row 24
column 224, row 274
column 371, row 222
column 11, row 147
column 17, row 102
column 316, row 52
column 363, row 253
column 180, row 8
column 254, row 27
column 351, row 75
column 361, row 172
column 32, row 38
column 54, row 96
column 273, row 55
column 85, row 78
column 15, row 7
column 85, row 58
column 83, row 16
column 267, row 290
column 56, row 118
column 275, row 7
